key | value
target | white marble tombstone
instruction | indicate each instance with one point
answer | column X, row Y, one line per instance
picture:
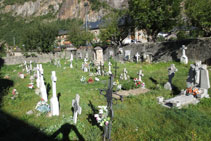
column 184, row 58
column 127, row 54
column 71, row 60
column 42, row 85
column 109, row 68
column 98, row 60
column 76, row 107
column 85, row 65
column 137, row 57
column 54, row 103
column 30, row 65
column 125, row 76
column 140, row 74
column 98, row 70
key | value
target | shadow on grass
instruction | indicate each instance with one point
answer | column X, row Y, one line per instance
column 153, row 80
column 91, row 117
column 48, row 89
column 11, row 128
column 175, row 90
column 65, row 130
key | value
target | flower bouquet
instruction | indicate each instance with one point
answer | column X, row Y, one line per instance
column 90, row 80
column 102, row 117
column 42, row 107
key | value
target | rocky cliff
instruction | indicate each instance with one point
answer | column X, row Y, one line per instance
column 62, row 9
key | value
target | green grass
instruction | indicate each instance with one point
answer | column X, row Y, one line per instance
column 136, row 118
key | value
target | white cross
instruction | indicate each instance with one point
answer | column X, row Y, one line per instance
column 140, row 74
column 125, row 74
column 76, row 107
column 109, row 68
column 54, row 100
column 137, row 56
column 183, row 50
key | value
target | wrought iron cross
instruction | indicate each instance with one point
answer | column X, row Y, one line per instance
column 108, row 95
column 116, row 67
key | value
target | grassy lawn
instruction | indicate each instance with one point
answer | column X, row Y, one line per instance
column 136, row 118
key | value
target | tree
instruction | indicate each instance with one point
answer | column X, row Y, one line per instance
column 77, row 35
column 199, row 13
column 154, row 15
column 40, row 37
column 115, row 28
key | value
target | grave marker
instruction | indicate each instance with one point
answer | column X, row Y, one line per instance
column 184, row 58
column 137, row 57
column 54, row 103
column 171, row 71
column 76, row 107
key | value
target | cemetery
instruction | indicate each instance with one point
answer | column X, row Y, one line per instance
column 98, row 99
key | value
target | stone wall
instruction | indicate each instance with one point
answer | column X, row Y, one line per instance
column 198, row 49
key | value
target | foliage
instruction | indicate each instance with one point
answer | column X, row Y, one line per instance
column 199, row 14
column 154, row 16
column 11, row 2
column 96, row 5
column 115, row 28
column 77, row 35
column 40, row 37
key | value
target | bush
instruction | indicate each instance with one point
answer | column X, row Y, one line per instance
column 127, row 85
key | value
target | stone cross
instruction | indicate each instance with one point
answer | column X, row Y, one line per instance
column 30, row 67
column 98, row 70
column 183, row 50
column 171, row 71
column 137, row 57
column 42, row 85
column 27, row 69
column 125, row 74
column 109, row 68
column 116, row 67
column 54, row 100
column 85, row 65
column 38, row 77
column 71, row 60
column 76, row 107
column 184, row 58
column 140, row 74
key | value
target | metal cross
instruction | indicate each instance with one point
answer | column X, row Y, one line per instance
column 116, row 67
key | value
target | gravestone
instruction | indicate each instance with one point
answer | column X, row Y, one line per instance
column 127, row 55
column 42, row 85
column 124, row 75
column 137, row 57
column 147, row 57
column 98, row 56
column 87, row 55
column 184, row 58
column 111, row 53
column 30, row 65
column 54, row 103
column 109, row 68
column 77, row 109
column 38, row 77
column 98, row 70
column 71, row 60
column 140, row 74
column 171, row 71
column 85, row 65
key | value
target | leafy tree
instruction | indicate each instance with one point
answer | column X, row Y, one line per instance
column 115, row 28
column 154, row 15
column 40, row 37
column 199, row 13
column 77, row 35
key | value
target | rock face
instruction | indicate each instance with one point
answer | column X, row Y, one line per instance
column 36, row 8
column 63, row 9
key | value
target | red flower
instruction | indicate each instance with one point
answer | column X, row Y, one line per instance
column 90, row 80
column 42, row 99
column 139, row 82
